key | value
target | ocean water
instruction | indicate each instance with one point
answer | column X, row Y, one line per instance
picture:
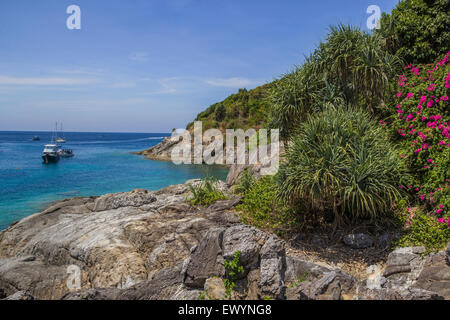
column 103, row 163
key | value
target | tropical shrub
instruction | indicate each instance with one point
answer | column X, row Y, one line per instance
column 233, row 270
column 421, row 125
column 424, row 230
column 261, row 208
column 245, row 183
column 205, row 193
column 341, row 161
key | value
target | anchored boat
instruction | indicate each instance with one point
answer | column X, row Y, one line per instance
column 61, row 139
column 65, row 153
column 51, row 153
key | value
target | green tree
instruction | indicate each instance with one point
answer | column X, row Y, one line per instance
column 221, row 112
column 417, row 30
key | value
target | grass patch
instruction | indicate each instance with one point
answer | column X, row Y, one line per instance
column 262, row 208
column 205, row 193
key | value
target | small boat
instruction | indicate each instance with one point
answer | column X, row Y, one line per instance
column 35, row 138
column 51, row 153
column 65, row 153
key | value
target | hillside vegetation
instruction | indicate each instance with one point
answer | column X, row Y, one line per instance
column 245, row 109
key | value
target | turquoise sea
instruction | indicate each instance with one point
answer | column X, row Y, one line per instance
column 103, row 163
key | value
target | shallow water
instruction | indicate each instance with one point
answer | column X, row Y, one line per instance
column 103, row 163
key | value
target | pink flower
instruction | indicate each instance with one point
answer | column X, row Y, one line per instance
column 430, row 160
column 399, row 94
column 409, row 95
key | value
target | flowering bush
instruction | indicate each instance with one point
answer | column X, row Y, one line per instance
column 421, row 121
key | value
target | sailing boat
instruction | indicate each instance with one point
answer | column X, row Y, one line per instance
column 61, row 139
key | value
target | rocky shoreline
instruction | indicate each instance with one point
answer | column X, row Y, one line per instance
column 154, row 245
column 161, row 152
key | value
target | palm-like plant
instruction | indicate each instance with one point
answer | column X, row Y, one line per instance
column 351, row 67
column 373, row 69
column 341, row 161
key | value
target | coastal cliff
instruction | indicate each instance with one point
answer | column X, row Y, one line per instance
column 155, row 245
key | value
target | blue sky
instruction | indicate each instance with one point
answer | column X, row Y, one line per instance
column 150, row 65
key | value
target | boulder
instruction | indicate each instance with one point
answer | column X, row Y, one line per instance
column 358, row 241
column 206, row 259
column 248, row 240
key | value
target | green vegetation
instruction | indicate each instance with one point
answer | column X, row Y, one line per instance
column 423, row 230
column 205, row 193
column 245, row 109
column 300, row 279
column 349, row 68
column 417, row 30
column 262, row 208
column 363, row 124
column 419, row 125
column 341, row 162
column 246, row 182
column 233, row 270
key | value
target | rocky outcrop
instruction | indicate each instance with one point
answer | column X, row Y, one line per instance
column 409, row 275
column 162, row 151
column 153, row 245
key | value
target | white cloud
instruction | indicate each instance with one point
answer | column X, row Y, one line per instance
column 138, row 56
column 44, row 81
column 230, row 82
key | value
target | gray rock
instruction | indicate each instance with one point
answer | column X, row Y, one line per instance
column 297, row 268
column 225, row 204
column 206, row 260
column 272, row 269
column 93, row 294
column 135, row 198
column 299, row 292
column 215, row 289
column 434, row 275
column 248, row 240
column 384, row 240
column 20, row 295
column 358, row 241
